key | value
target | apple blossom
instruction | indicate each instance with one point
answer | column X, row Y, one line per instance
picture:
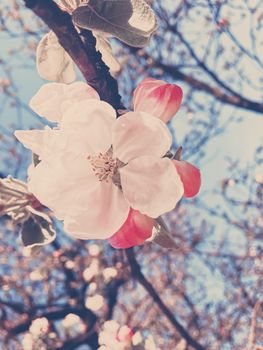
column 158, row 98
column 94, row 167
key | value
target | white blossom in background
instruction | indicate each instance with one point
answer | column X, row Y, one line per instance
column 70, row 264
column 39, row 326
column 109, row 273
column 27, row 341
column 90, row 272
column 36, row 275
column 70, row 320
column 115, row 337
column 74, row 324
column 92, row 288
column 94, row 250
column 95, row 302
column 137, row 338
column 150, row 344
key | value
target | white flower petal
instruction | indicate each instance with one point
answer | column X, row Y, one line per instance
column 31, row 139
column 93, row 120
column 45, row 143
column 76, row 92
column 52, row 99
column 138, row 134
column 62, row 190
column 151, row 185
column 53, row 62
column 105, row 210
column 47, row 101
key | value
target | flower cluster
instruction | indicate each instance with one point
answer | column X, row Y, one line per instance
column 107, row 177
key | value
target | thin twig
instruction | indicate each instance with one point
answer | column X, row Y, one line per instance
column 138, row 275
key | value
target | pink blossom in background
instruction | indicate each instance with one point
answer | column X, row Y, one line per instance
column 115, row 337
column 158, row 98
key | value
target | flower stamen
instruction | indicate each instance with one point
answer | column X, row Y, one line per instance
column 103, row 165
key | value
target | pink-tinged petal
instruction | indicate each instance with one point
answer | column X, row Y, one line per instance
column 157, row 98
column 151, row 185
column 90, row 120
column 190, row 177
column 136, row 229
column 31, row 139
column 125, row 334
column 105, row 210
column 137, row 134
column 52, row 98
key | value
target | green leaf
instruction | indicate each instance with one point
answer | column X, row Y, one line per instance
column 161, row 235
column 37, row 230
column 131, row 21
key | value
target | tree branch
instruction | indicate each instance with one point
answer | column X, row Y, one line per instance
column 138, row 275
column 84, row 54
column 236, row 101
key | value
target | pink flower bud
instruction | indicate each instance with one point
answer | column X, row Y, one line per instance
column 135, row 230
column 157, row 98
column 125, row 334
column 190, row 177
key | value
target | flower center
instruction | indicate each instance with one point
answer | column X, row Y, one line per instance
column 103, row 165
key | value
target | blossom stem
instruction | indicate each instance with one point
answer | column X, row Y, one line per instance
column 11, row 192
